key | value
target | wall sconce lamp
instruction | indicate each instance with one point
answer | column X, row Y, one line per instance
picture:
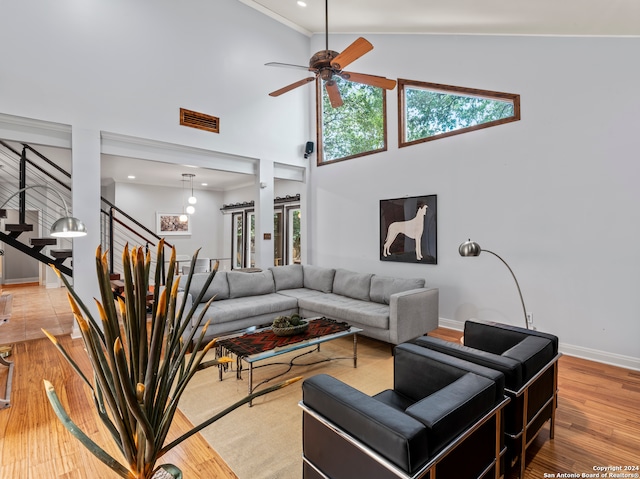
column 471, row 248
column 65, row 227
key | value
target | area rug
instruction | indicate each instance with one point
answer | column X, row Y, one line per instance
column 265, row 441
column 253, row 343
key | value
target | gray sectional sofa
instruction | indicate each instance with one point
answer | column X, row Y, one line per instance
column 393, row 310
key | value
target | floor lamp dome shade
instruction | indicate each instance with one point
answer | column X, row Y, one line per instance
column 68, row 227
column 471, row 248
column 65, row 227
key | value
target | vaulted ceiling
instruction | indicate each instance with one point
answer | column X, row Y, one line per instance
column 500, row 17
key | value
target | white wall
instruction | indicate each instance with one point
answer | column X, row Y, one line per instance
column 143, row 202
column 127, row 67
column 555, row 194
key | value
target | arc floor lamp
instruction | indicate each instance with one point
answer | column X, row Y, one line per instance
column 65, row 227
column 471, row 248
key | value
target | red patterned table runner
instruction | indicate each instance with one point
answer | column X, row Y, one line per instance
column 254, row 343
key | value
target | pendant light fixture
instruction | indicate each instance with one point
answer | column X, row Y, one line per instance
column 183, row 217
column 192, row 199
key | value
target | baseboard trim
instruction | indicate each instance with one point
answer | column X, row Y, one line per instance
column 451, row 324
column 604, row 357
column 596, row 355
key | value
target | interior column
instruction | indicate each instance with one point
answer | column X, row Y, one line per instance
column 85, row 185
column 264, row 215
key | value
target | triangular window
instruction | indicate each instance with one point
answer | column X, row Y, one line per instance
column 429, row 111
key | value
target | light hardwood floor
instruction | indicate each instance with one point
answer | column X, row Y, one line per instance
column 598, row 418
column 33, row 443
column 35, row 307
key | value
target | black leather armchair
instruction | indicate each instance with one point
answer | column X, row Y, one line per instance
column 529, row 361
column 442, row 418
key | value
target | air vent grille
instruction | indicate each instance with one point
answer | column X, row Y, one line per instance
column 199, row 120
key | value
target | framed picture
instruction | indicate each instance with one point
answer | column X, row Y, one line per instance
column 170, row 224
column 408, row 230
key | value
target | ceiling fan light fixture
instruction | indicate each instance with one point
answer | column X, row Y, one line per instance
column 328, row 63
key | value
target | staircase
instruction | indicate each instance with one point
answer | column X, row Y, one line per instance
column 21, row 166
column 27, row 169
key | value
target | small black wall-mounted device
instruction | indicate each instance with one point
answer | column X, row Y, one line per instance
column 308, row 149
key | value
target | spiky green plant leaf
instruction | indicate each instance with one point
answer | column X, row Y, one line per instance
column 140, row 371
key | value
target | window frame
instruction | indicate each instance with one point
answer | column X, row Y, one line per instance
column 237, row 219
column 319, row 135
column 241, row 214
column 289, row 230
column 278, row 236
column 462, row 91
column 249, row 238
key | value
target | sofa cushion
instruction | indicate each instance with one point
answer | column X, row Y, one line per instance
column 510, row 368
column 351, row 284
column 395, row 435
column 219, row 287
column 382, row 287
column 533, row 352
column 234, row 309
column 288, row 276
column 318, row 278
column 454, row 408
column 498, row 337
column 250, row 284
column 394, row 399
column 340, row 307
column 299, row 293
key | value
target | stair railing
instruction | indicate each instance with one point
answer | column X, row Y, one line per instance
column 117, row 229
column 119, row 232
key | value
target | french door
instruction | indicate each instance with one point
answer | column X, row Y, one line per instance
column 286, row 237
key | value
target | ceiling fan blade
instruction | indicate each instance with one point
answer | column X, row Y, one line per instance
column 373, row 80
column 351, row 53
column 334, row 93
column 292, row 86
column 286, row 65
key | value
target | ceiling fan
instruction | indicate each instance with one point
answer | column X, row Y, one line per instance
column 327, row 64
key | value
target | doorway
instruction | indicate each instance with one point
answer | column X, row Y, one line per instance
column 15, row 266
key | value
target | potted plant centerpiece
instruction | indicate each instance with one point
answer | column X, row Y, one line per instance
column 141, row 363
column 289, row 325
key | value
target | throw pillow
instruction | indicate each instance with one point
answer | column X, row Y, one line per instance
column 288, row 277
column 351, row 284
column 383, row 287
column 318, row 278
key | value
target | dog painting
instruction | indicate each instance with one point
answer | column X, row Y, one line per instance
column 408, row 230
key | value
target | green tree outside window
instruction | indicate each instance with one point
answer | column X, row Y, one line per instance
column 430, row 111
column 356, row 128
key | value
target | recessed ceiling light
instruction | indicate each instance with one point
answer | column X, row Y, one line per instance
column 204, row 184
column 301, row 3
column 131, row 177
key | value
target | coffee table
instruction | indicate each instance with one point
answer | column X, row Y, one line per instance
column 262, row 344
